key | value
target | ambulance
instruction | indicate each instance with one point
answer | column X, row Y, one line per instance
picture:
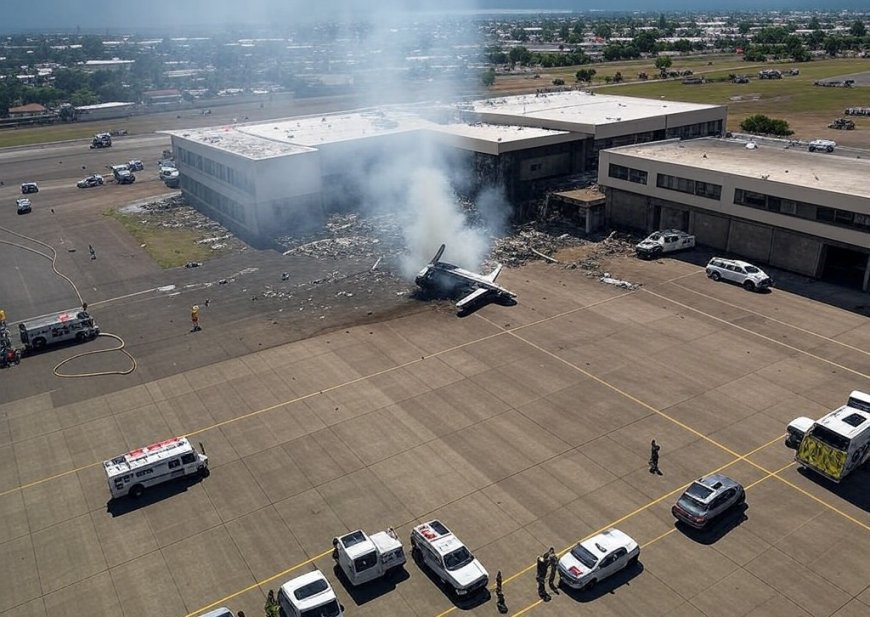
column 837, row 444
column 133, row 472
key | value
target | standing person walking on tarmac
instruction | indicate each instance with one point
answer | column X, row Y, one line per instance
column 92, row 251
column 553, row 563
column 271, row 606
column 194, row 318
column 541, row 573
column 654, row 457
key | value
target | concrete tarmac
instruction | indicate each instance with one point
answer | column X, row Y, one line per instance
column 519, row 427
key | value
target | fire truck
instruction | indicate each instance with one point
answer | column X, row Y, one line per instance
column 133, row 472
column 74, row 324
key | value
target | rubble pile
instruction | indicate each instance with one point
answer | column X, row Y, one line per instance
column 348, row 235
column 174, row 213
column 529, row 242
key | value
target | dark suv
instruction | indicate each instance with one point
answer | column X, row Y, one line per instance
column 706, row 499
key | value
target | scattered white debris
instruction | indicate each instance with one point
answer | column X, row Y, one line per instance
column 609, row 280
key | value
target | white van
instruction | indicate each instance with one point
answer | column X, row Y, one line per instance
column 133, row 472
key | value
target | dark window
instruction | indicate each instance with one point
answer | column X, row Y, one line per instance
column 188, row 458
column 369, row 560
column 708, row 190
column 618, row 171
column 174, row 463
column 750, row 198
column 674, row 183
column 638, row 176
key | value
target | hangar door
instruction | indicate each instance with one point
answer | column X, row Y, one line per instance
column 844, row 266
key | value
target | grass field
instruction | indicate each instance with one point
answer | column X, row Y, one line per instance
column 169, row 247
column 808, row 108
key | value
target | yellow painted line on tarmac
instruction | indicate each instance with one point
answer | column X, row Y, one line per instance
column 525, row 610
column 630, row 515
column 265, row 581
column 758, row 334
column 821, row 501
column 773, row 319
column 257, row 412
column 769, row 475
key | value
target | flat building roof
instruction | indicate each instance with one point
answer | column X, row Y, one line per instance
column 793, row 165
column 306, row 133
column 579, row 107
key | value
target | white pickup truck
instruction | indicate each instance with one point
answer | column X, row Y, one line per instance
column 666, row 241
column 364, row 557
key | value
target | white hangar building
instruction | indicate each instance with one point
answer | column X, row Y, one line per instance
column 260, row 179
column 796, row 210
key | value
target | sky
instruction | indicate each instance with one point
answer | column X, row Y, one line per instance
column 93, row 15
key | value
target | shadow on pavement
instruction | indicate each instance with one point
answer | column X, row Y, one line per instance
column 716, row 530
column 853, row 488
column 608, row 585
column 372, row 590
column 125, row 505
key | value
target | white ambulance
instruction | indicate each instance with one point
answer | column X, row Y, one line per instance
column 133, row 472
column 448, row 558
column 837, row 444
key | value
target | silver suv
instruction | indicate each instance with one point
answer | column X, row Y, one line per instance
column 743, row 273
column 706, row 499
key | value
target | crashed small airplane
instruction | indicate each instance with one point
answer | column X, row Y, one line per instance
column 443, row 279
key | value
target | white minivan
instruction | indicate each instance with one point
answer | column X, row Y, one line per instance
column 743, row 273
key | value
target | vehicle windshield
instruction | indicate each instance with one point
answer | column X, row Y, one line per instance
column 752, row 270
column 687, row 502
column 330, row 609
column 311, row 589
column 655, row 237
column 857, row 403
column 583, row 556
column 830, row 438
column 457, row 559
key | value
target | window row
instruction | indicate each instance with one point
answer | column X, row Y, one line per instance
column 222, row 172
column 800, row 209
column 707, row 190
column 215, row 200
column 621, row 172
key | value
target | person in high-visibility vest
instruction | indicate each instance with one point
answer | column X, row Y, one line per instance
column 194, row 317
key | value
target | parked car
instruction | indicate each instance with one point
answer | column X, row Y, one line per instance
column 135, row 165
column 743, row 273
column 707, row 499
column 597, row 558
column 23, row 205
column 92, row 180
column 29, row 187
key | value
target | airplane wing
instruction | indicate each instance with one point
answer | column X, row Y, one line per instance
column 470, row 298
column 492, row 275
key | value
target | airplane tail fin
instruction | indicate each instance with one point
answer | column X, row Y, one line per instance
column 438, row 255
column 492, row 275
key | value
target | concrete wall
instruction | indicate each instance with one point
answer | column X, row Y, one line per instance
column 625, row 209
column 710, row 229
column 796, row 252
column 750, row 240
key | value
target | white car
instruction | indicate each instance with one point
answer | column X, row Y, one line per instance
column 826, row 145
column 448, row 558
column 597, row 558
column 743, row 273
column 666, row 241
column 309, row 595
